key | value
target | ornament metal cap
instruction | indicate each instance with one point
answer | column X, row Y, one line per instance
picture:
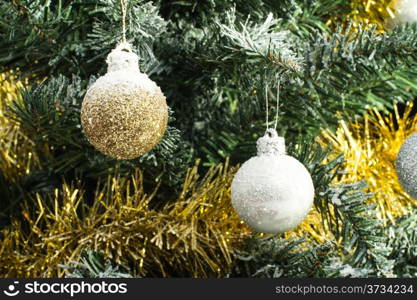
column 122, row 58
column 271, row 144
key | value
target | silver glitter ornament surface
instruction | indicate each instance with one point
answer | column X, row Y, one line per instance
column 270, row 144
column 272, row 192
column 124, row 114
column 406, row 11
column 407, row 165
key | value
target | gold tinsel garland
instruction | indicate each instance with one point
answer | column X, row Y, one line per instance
column 367, row 13
column 370, row 148
column 16, row 155
column 194, row 236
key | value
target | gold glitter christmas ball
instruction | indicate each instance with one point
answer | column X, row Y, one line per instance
column 124, row 114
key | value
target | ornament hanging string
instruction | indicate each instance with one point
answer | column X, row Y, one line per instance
column 123, row 7
column 267, row 106
column 277, row 114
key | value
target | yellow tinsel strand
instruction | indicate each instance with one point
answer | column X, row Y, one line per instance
column 313, row 228
column 370, row 148
column 16, row 154
column 194, row 236
column 368, row 13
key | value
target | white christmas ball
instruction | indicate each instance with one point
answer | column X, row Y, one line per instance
column 407, row 11
column 272, row 192
column 407, row 165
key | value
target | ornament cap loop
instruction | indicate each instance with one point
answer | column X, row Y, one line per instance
column 122, row 58
column 271, row 144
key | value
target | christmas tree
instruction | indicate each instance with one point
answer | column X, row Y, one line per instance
column 339, row 78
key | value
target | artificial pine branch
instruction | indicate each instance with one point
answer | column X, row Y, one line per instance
column 93, row 265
